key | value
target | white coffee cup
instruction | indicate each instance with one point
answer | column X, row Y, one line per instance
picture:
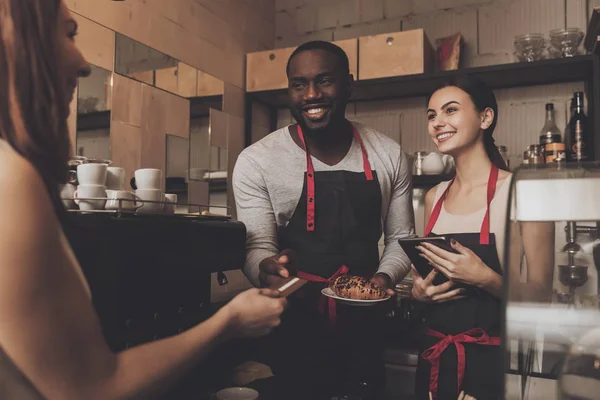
column 148, row 178
column 152, row 199
column 122, row 200
column 170, row 201
column 92, row 174
column 90, row 197
column 115, row 178
column 67, row 192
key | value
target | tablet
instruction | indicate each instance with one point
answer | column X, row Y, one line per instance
column 421, row 264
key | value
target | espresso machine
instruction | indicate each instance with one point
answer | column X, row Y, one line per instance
column 150, row 278
column 571, row 274
column 565, row 195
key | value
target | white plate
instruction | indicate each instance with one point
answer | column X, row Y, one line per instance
column 352, row 302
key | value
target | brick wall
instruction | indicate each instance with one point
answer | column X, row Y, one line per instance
column 488, row 27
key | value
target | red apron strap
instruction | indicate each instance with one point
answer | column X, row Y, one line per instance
column 433, row 354
column 484, row 233
column 310, row 187
column 437, row 209
column 332, row 313
column 310, row 177
column 366, row 164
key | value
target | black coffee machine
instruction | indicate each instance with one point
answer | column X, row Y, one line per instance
column 150, row 276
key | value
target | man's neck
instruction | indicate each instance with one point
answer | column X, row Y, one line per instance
column 329, row 146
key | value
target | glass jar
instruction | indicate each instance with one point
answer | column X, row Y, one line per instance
column 535, row 154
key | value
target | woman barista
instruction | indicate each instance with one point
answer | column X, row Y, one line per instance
column 460, row 348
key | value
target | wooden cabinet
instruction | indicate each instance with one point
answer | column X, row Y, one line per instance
column 394, row 54
column 265, row 70
column 350, row 46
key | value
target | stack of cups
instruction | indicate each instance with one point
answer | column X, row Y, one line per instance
column 91, row 191
column 148, row 182
column 118, row 197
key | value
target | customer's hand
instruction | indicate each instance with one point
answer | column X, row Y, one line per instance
column 272, row 270
column 424, row 290
column 463, row 396
column 255, row 312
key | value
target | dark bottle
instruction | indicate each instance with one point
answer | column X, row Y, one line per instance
column 576, row 140
column 550, row 132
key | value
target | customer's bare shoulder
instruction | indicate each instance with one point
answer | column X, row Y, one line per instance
column 18, row 176
column 24, row 200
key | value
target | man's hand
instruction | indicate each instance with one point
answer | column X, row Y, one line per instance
column 384, row 282
column 274, row 269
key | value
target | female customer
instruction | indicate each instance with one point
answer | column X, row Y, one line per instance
column 51, row 344
column 460, row 348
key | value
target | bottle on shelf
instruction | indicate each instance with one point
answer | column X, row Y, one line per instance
column 567, row 130
column 576, row 141
column 550, row 132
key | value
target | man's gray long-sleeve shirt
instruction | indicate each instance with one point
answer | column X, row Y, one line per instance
column 268, row 178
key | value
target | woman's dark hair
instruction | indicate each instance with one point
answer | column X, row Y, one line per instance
column 482, row 97
column 33, row 111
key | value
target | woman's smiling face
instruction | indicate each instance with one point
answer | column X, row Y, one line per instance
column 453, row 120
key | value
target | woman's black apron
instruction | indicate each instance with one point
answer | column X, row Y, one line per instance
column 460, row 350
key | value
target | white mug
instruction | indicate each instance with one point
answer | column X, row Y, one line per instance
column 90, row 197
column 122, row 200
column 170, row 200
column 152, row 199
column 92, row 174
column 115, row 178
column 148, row 178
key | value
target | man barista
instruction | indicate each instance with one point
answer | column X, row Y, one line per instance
column 316, row 197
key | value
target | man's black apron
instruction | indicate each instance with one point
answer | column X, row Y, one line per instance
column 336, row 224
column 460, row 347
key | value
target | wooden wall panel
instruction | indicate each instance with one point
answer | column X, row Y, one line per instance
column 218, row 39
column 97, row 43
column 208, row 85
column 187, row 80
column 234, row 101
column 166, row 79
column 178, row 116
column 127, row 101
column 154, row 127
column 126, row 145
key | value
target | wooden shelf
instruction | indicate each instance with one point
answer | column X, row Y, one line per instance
column 541, row 72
